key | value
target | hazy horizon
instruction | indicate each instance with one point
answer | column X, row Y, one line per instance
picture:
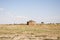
column 21, row 11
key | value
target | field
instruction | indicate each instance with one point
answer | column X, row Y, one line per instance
column 26, row 32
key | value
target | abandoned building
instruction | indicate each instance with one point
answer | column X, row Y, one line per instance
column 31, row 22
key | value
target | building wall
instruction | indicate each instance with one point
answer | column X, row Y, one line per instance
column 31, row 23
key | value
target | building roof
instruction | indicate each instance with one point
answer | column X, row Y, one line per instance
column 31, row 21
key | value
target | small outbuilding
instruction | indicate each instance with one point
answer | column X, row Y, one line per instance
column 31, row 22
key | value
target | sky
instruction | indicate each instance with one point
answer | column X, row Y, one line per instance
column 21, row 11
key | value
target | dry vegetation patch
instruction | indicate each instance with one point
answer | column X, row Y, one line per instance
column 29, row 32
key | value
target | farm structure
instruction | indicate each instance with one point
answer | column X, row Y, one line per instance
column 31, row 22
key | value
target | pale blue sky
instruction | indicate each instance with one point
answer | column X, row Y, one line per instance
column 20, row 11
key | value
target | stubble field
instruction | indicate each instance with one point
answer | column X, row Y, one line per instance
column 26, row 32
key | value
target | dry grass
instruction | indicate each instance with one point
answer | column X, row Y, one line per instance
column 26, row 32
column 45, row 28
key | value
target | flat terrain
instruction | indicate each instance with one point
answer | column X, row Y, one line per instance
column 26, row 32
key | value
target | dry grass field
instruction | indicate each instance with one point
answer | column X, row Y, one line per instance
column 26, row 32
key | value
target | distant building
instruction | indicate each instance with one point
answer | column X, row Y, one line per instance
column 42, row 22
column 31, row 22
